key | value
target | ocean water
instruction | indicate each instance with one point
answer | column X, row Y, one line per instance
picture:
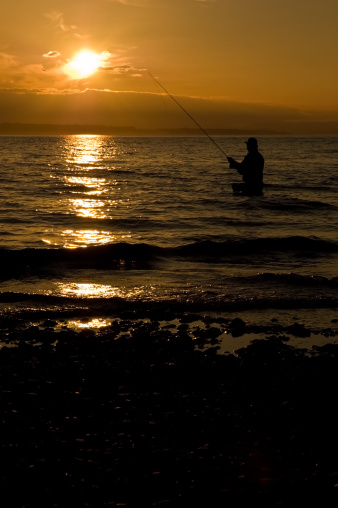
column 104, row 223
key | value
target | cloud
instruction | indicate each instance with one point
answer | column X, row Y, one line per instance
column 57, row 21
column 51, row 54
column 155, row 3
column 147, row 111
column 136, row 3
column 59, row 25
column 117, row 64
column 115, row 68
column 30, row 76
column 49, row 73
column 7, row 61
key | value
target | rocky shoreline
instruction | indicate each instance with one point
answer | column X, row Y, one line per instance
column 136, row 415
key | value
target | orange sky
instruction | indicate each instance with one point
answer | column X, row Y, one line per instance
column 265, row 64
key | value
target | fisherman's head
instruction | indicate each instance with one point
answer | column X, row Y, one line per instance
column 251, row 144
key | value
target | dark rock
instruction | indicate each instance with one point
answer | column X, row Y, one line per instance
column 237, row 327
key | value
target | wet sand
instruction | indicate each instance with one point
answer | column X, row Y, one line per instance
column 141, row 414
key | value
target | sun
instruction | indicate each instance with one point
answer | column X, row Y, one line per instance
column 83, row 64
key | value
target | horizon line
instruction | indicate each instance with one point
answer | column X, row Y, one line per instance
column 23, row 128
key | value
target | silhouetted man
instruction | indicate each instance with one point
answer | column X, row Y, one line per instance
column 251, row 169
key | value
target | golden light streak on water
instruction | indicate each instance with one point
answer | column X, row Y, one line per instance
column 87, row 290
column 76, row 238
column 88, row 208
column 90, row 290
column 85, row 181
column 90, row 324
column 86, row 150
column 90, row 188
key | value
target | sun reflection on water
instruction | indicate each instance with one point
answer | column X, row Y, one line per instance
column 85, row 150
column 89, row 324
column 96, row 290
column 76, row 238
column 93, row 198
column 87, row 290
column 89, row 190
column 88, row 208
column 85, row 184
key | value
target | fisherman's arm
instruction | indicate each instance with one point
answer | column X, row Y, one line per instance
column 236, row 165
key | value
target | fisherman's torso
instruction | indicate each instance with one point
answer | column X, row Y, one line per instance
column 252, row 168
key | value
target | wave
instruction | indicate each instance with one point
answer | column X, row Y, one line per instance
column 294, row 204
column 295, row 279
column 66, row 306
column 125, row 255
column 249, row 246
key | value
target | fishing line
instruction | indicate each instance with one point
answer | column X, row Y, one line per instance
column 189, row 115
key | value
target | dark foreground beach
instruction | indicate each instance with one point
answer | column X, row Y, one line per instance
column 138, row 414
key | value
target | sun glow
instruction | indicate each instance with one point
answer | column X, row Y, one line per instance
column 83, row 64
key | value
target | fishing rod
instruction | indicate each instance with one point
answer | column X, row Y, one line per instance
column 189, row 115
